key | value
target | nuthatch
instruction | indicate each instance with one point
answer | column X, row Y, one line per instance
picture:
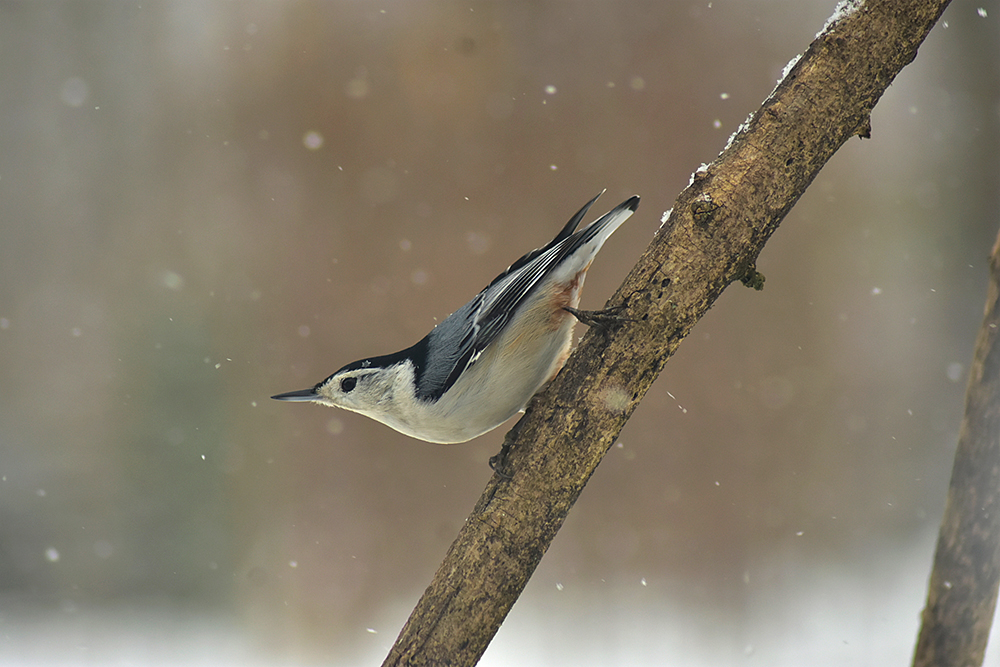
column 479, row 367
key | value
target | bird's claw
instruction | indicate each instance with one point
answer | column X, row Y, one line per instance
column 605, row 320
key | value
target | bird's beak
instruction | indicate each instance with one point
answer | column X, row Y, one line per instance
column 300, row 396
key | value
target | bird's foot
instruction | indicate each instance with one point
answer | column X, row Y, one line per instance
column 605, row 320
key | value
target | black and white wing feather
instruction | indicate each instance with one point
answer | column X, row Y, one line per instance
column 455, row 344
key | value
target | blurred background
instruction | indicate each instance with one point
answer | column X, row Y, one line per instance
column 207, row 203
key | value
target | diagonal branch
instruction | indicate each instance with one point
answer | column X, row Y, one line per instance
column 712, row 237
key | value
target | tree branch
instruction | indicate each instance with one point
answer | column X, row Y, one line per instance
column 713, row 235
column 962, row 594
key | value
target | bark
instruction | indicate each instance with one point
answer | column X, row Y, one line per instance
column 962, row 595
column 712, row 238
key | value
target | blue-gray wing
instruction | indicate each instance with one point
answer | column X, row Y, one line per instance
column 457, row 342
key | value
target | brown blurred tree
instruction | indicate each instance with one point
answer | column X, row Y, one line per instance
column 711, row 238
column 962, row 595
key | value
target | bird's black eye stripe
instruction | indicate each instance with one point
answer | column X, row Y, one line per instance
column 347, row 385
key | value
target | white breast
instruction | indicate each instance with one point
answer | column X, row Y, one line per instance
column 498, row 385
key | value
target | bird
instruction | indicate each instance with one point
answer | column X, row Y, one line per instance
column 480, row 365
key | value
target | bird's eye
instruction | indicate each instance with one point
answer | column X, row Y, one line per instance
column 347, row 385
